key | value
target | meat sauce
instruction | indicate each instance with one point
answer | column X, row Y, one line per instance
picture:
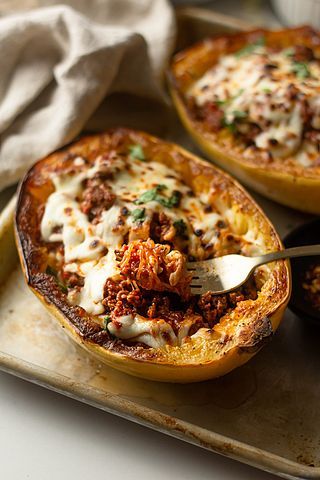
column 153, row 281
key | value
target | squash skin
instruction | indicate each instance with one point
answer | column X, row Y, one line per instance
column 149, row 363
column 293, row 186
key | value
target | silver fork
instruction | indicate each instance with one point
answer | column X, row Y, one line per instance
column 226, row 273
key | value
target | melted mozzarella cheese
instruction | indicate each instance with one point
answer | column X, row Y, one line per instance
column 89, row 249
column 308, row 154
column 130, row 184
column 63, row 212
column 154, row 333
column 245, row 88
column 92, row 294
column 288, row 133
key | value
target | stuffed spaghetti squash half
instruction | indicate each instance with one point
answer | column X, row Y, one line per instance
column 104, row 229
column 251, row 101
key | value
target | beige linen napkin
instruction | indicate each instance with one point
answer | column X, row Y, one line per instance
column 59, row 68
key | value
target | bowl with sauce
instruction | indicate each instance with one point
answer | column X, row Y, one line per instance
column 305, row 298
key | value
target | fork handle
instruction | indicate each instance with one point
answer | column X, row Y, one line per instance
column 304, row 251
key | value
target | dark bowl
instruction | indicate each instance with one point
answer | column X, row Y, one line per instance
column 307, row 234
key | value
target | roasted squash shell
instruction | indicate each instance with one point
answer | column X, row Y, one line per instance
column 231, row 343
column 287, row 182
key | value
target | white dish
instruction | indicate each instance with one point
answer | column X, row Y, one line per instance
column 298, row 12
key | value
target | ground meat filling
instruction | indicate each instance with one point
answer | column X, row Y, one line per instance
column 212, row 115
column 125, row 298
column 161, row 228
column 213, row 307
column 301, row 53
column 96, row 198
column 122, row 298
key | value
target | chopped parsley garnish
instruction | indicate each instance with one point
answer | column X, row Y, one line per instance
column 239, row 114
column 221, row 103
column 180, row 227
column 288, row 52
column 138, row 214
column 62, row 287
column 161, row 187
column 260, row 42
column 170, row 202
column 229, row 125
column 150, row 195
column 106, row 320
column 301, row 69
column 51, row 271
column 153, row 195
column 136, row 151
column 266, row 90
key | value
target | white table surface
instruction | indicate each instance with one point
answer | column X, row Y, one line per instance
column 45, row 436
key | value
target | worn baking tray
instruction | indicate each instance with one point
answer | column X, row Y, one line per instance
column 265, row 413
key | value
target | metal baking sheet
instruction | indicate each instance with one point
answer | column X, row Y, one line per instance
column 265, row 413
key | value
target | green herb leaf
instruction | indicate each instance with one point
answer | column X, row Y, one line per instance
column 153, row 195
column 260, row 42
column 180, row 227
column 149, row 195
column 229, row 125
column 51, row 271
column 170, row 202
column 301, row 69
column 138, row 214
column 288, row 52
column 239, row 114
column 106, row 320
column 266, row 90
column 136, row 151
column 62, row 287
column 221, row 103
